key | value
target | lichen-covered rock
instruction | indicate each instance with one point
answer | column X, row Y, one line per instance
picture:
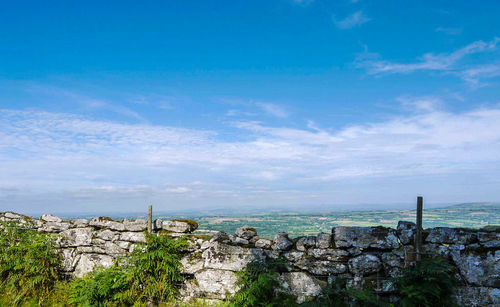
column 246, row 232
column 80, row 223
column 220, row 236
column 446, row 235
column 53, row 226
column 50, row 218
column 108, row 235
column 77, row 237
column 321, row 267
column 211, row 283
column 294, row 256
column 178, row 226
column 132, row 237
column 489, row 239
column 365, row 264
column 282, row 242
column 329, row 254
column 263, row 243
column 238, row 241
column 324, row 240
column 157, row 224
column 364, row 237
column 192, row 263
column 69, row 259
column 406, row 231
column 106, row 222
column 479, row 270
column 87, row 263
column 232, row 258
column 306, row 243
column 12, row 216
column 300, row 285
column 137, row 225
column 478, row 296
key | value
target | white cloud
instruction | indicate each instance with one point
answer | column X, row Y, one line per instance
column 449, row 31
column 428, row 62
column 272, row 109
column 63, row 157
column 355, row 19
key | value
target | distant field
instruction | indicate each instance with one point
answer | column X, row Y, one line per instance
column 299, row 224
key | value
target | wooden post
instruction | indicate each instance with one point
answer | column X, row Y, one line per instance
column 150, row 219
column 418, row 237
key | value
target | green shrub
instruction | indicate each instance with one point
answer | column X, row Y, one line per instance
column 259, row 286
column 150, row 274
column 430, row 282
column 29, row 265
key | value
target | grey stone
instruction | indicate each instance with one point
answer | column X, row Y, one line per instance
column 305, row 243
column 324, row 240
column 211, row 283
column 364, row 265
column 263, row 243
column 77, row 236
column 246, row 232
column 137, row 225
column 364, row 237
column 108, row 235
column 178, row 226
column 239, row 241
column 12, row 215
column 105, row 222
column 300, row 285
column 479, row 270
column 282, row 242
column 53, row 227
column 87, row 263
column 445, row 235
column 489, row 239
column 220, row 236
column 478, row 296
column 406, row 231
column 232, row 258
column 132, row 237
column 50, row 218
column 321, row 267
column 80, row 223
column 329, row 254
column 157, row 224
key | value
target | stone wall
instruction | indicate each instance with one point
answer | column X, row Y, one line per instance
column 364, row 255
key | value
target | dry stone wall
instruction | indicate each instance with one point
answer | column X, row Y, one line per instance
column 367, row 256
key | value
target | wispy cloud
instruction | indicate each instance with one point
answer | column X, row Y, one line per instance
column 272, row 109
column 449, row 31
column 55, row 153
column 355, row 19
column 429, row 61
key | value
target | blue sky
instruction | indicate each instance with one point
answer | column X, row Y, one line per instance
column 186, row 104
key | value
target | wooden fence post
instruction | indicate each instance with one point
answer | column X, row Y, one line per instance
column 150, row 219
column 418, row 236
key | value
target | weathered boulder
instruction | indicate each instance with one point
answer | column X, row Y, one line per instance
column 180, row 226
column 282, row 242
column 157, row 224
column 238, row 241
column 209, row 283
column 478, row 296
column 306, row 243
column 479, row 270
column 321, row 267
column 77, row 237
column 192, row 263
column 53, row 226
column 87, row 263
column 132, row 237
column 108, row 235
column 232, row 258
column 80, row 223
column 50, row 218
column 301, row 285
column 69, row 259
column 364, row 237
column 246, row 232
column 220, row 236
column 137, row 225
column 106, row 222
column 445, row 235
column 329, row 254
column 324, row 240
column 489, row 239
column 263, row 243
column 365, row 264
column 406, row 231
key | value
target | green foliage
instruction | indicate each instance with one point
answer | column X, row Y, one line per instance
column 430, row 282
column 340, row 294
column 259, row 287
column 150, row 274
column 29, row 265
